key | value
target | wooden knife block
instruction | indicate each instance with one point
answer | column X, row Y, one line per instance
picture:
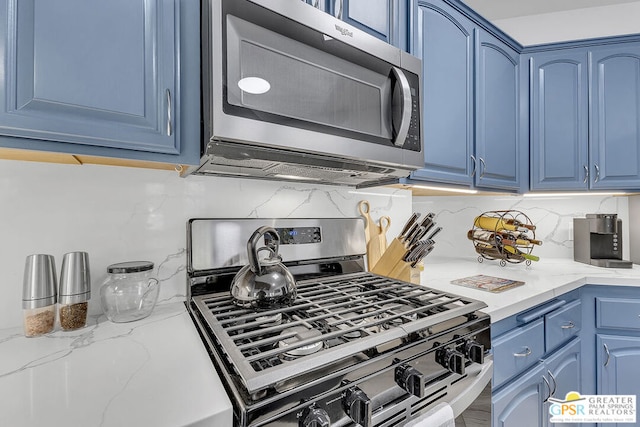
column 391, row 264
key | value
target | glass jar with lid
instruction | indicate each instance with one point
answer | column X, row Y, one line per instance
column 129, row 292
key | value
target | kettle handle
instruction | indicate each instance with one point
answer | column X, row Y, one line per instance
column 252, row 247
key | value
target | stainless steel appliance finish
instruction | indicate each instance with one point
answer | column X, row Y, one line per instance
column 335, row 105
column 597, row 240
column 354, row 348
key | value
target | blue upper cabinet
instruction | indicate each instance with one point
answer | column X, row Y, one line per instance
column 559, row 120
column 585, row 118
column 500, row 135
column 474, row 133
column 101, row 78
column 444, row 41
column 615, row 117
column 384, row 19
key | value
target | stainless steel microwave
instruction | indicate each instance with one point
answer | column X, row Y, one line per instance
column 292, row 93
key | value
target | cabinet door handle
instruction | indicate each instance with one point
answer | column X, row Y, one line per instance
column 586, row 174
column 606, row 350
column 316, row 3
column 483, row 167
column 555, row 383
column 546, row 381
column 339, row 9
column 475, row 164
column 527, row 351
column 169, row 113
column 595, row 165
column 569, row 325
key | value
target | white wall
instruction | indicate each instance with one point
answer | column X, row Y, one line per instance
column 124, row 214
column 577, row 24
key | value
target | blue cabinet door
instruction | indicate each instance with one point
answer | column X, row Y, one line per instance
column 520, row 403
column 444, row 41
column 617, row 358
column 559, row 120
column 100, row 77
column 615, row 117
column 564, row 371
column 500, row 136
column 384, row 19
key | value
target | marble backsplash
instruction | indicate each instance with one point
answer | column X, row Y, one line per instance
column 121, row 214
column 553, row 217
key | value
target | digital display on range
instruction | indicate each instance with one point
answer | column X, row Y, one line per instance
column 297, row 235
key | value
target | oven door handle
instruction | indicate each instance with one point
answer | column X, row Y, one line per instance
column 406, row 107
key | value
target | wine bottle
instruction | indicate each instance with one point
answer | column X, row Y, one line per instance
column 519, row 224
column 515, row 251
column 501, row 223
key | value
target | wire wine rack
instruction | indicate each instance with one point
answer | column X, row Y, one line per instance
column 508, row 236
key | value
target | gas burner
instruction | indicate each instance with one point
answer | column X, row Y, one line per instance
column 301, row 333
column 269, row 320
column 395, row 309
column 354, row 319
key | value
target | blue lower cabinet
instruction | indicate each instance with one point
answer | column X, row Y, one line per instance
column 618, row 372
column 119, row 78
column 564, row 372
column 524, row 401
column 519, row 404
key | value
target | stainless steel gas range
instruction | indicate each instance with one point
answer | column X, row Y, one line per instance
column 353, row 349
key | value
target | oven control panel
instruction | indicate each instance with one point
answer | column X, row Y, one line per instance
column 296, row 235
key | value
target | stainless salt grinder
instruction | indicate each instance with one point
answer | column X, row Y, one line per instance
column 39, row 294
column 75, row 290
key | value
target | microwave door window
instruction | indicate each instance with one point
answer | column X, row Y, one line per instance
column 277, row 79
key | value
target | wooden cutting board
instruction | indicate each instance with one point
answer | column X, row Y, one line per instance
column 375, row 234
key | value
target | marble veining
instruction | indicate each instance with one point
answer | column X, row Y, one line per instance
column 553, row 217
column 109, row 374
column 121, row 214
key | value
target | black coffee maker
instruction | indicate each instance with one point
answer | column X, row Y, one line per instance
column 597, row 240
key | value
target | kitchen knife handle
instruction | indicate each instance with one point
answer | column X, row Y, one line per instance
column 169, row 113
column 407, row 226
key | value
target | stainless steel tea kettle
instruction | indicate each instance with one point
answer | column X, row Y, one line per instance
column 267, row 283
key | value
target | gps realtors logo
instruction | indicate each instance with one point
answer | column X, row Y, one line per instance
column 593, row 409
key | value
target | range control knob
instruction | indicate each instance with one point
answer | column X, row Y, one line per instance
column 451, row 359
column 357, row 405
column 473, row 350
column 314, row 417
column 410, row 379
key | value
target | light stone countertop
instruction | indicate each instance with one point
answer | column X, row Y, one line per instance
column 156, row 371
column 544, row 280
column 151, row 372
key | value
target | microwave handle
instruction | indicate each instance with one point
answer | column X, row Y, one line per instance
column 407, row 102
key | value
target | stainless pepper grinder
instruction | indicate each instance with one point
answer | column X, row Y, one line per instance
column 39, row 295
